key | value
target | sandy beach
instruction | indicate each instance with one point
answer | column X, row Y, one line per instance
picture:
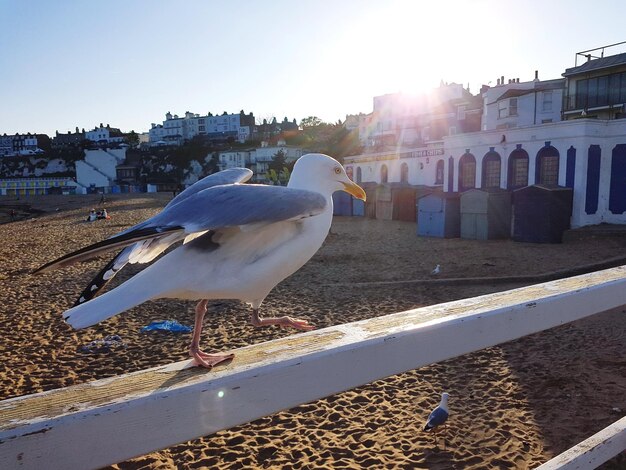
column 512, row 406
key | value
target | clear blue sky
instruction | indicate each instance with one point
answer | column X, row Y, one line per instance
column 68, row 63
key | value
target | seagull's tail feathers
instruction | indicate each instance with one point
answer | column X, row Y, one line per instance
column 103, row 307
column 122, row 240
column 101, row 279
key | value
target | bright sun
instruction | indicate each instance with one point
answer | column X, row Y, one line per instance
column 410, row 46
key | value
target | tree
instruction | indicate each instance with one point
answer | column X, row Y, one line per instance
column 132, row 139
column 278, row 171
column 311, row 121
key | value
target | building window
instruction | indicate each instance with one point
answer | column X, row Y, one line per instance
column 439, row 172
column 467, row 172
column 507, row 108
column 548, row 168
column 547, row 101
column 359, row 175
column 518, row 169
column 460, row 113
column 491, row 170
column 384, row 176
column 452, row 130
column 404, row 173
column 502, row 109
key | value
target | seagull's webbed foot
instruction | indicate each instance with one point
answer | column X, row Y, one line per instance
column 208, row 360
column 200, row 357
column 283, row 322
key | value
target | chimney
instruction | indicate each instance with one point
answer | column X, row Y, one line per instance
column 498, row 82
column 502, row 79
column 537, row 75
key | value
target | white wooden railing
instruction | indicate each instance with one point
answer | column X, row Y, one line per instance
column 111, row 420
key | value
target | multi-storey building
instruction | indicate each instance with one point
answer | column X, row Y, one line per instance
column 70, row 139
column 597, row 88
column 519, row 104
column 175, row 130
column 105, row 135
column 19, row 144
column 403, row 120
column 258, row 159
column 585, row 151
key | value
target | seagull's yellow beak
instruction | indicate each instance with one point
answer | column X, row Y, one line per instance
column 354, row 189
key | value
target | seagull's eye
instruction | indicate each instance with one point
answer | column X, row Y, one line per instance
column 337, row 170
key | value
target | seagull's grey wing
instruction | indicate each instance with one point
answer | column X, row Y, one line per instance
column 235, row 205
column 436, row 418
column 147, row 250
column 230, row 176
column 210, row 209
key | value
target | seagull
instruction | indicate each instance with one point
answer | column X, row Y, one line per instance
column 239, row 242
column 435, row 271
column 438, row 416
column 138, row 252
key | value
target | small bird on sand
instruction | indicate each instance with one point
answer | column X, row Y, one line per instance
column 435, row 271
column 239, row 241
column 438, row 417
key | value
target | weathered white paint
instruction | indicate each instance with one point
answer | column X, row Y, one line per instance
column 107, row 421
column 592, row 452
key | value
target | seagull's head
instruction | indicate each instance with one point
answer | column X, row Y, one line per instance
column 323, row 174
column 444, row 398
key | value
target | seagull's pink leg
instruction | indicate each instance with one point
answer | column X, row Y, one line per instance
column 283, row 322
column 203, row 359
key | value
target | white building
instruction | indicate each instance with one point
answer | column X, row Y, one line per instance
column 417, row 166
column 234, row 159
column 105, row 135
column 258, row 160
column 404, row 120
column 531, row 145
column 175, row 130
column 520, row 104
column 19, row 144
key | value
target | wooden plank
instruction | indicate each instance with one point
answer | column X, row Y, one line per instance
column 107, row 421
column 592, row 452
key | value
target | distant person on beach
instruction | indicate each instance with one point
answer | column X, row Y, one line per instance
column 13, row 214
column 102, row 199
column 103, row 214
column 92, row 215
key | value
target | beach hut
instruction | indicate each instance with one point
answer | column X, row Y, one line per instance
column 485, row 214
column 369, row 209
column 358, row 208
column 541, row 214
column 342, row 203
column 439, row 215
column 384, row 207
column 403, row 201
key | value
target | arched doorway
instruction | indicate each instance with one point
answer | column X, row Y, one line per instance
column 404, row 173
column 439, row 172
column 491, row 170
column 547, row 166
column 467, row 172
column 518, row 169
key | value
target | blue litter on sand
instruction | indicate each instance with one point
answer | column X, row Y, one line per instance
column 167, row 325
